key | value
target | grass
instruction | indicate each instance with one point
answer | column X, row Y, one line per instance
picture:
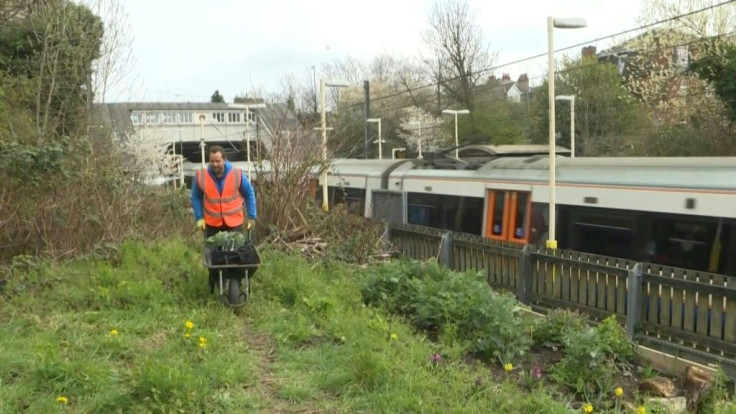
column 304, row 343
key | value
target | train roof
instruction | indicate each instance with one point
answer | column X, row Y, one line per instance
column 670, row 172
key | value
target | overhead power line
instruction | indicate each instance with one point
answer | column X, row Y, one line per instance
column 537, row 56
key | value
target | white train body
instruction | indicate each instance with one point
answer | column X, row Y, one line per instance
column 677, row 211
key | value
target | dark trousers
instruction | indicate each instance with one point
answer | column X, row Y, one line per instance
column 234, row 272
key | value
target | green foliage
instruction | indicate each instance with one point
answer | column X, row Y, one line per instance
column 495, row 121
column 718, row 66
column 307, row 342
column 56, row 334
column 439, row 301
column 50, row 50
column 34, row 163
column 217, row 98
column 558, row 324
column 649, row 372
column 607, row 117
column 329, row 347
column 613, row 340
column 592, row 356
column 227, row 240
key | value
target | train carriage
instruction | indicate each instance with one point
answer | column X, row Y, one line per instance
column 675, row 211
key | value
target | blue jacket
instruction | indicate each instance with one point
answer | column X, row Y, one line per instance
column 246, row 190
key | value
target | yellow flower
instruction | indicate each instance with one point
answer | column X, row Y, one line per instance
column 187, row 335
column 618, row 391
column 190, row 325
column 641, row 410
column 202, row 345
column 62, row 399
column 394, row 336
column 202, row 340
column 114, row 332
column 588, row 408
column 508, row 367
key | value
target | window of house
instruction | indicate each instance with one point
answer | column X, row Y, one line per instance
column 185, row 117
column 151, row 117
column 233, row 117
column 218, row 116
column 168, row 117
column 136, row 118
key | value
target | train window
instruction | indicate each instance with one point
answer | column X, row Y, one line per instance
column 464, row 214
column 682, row 243
column 604, row 240
column 520, row 216
column 418, row 214
column 605, row 234
column 498, row 210
column 497, row 215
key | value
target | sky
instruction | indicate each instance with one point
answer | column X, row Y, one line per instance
column 184, row 50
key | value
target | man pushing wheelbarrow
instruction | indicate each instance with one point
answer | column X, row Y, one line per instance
column 219, row 194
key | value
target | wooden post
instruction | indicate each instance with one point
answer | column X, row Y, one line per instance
column 445, row 257
column 633, row 307
column 525, row 275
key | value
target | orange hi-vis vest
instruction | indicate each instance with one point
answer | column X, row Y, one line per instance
column 224, row 208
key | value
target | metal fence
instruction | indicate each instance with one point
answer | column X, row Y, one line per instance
column 682, row 312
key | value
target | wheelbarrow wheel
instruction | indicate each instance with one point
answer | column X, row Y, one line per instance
column 233, row 294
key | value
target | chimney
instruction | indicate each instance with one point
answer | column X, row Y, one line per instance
column 523, row 82
column 506, row 77
column 588, row 52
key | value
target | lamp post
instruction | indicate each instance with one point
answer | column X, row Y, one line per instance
column 314, row 86
column 571, row 99
column 247, row 108
column 323, row 127
column 380, row 138
column 452, row 112
column 420, row 138
column 201, row 137
column 572, row 23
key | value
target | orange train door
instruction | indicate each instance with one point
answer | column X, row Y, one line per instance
column 508, row 215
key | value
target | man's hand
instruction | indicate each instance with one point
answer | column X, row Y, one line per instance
column 200, row 224
column 250, row 223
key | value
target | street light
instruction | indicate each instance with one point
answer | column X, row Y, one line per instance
column 420, row 137
column 572, row 23
column 201, row 137
column 323, row 127
column 452, row 112
column 571, row 99
column 247, row 127
column 380, row 139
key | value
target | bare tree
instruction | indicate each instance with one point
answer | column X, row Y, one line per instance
column 116, row 52
column 460, row 52
column 712, row 22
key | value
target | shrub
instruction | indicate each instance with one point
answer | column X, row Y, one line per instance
column 557, row 325
column 458, row 306
column 591, row 353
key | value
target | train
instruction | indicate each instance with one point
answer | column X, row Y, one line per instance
column 674, row 211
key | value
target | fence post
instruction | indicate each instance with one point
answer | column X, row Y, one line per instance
column 633, row 307
column 386, row 232
column 445, row 257
column 525, row 275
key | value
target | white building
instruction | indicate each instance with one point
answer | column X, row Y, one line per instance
column 181, row 127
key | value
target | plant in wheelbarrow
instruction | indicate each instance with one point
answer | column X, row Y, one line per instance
column 234, row 258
